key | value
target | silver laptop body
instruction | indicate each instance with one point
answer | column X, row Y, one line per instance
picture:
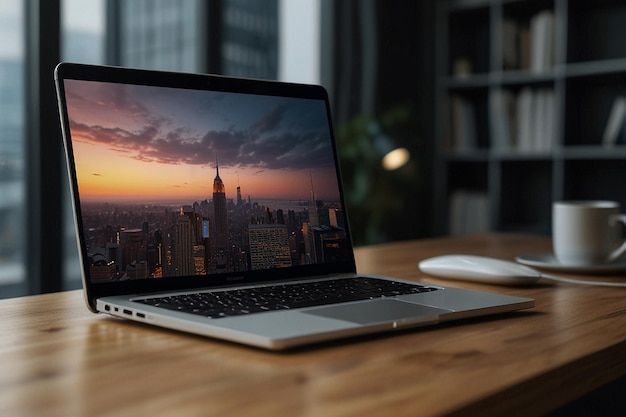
column 195, row 189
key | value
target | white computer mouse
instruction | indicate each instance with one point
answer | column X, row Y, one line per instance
column 479, row 269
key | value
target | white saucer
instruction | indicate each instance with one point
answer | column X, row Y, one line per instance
column 548, row 261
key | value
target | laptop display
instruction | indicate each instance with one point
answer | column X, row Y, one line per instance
column 177, row 182
column 209, row 180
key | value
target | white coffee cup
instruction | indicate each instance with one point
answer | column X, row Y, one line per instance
column 587, row 232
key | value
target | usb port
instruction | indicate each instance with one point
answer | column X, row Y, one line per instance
column 141, row 315
column 130, row 313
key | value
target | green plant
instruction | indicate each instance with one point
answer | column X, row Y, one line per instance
column 379, row 201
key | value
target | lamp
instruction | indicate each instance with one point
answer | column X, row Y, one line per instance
column 393, row 156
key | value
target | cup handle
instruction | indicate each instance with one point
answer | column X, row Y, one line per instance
column 618, row 218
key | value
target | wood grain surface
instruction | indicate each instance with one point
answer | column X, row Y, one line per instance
column 58, row 359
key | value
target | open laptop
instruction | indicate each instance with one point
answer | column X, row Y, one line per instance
column 213, row 205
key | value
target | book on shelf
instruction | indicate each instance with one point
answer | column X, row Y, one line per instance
column 522, row 121
column 528, row 44
column 469, row 212
column 615, row 129
column 462, row 68
column 542, row 121
column 523, row 37
column 542, row 40
column 463, row 123
column 503, row 119
column 511, row 45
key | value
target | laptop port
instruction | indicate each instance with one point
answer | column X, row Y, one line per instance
column 141, row 315
column 130, row 313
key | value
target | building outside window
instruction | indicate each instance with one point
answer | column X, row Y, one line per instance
column 12, row 193
column 161, row 34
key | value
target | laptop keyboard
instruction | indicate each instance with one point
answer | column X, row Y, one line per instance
column 228, row 303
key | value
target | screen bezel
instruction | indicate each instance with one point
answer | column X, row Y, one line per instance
column 93, row 291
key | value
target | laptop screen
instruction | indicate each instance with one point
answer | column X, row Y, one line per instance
column 172, row 181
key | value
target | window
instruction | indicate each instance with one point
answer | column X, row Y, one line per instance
column 83, row 31
column 248, row 38
column 161, row 34
column 299, row 41
column 12, row 178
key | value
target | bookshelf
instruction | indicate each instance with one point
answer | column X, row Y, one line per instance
column 526, row 92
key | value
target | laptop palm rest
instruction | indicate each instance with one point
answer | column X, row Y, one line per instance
column 378, row 311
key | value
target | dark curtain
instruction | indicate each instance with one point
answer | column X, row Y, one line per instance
column 378, row 65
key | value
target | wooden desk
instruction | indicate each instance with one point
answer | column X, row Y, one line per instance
column 58, row 359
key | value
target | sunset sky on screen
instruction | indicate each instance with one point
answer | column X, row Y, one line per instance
column 142, row 143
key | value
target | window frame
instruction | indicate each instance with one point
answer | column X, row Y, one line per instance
column 44, row 159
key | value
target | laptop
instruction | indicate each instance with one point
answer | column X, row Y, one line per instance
column 213, row 205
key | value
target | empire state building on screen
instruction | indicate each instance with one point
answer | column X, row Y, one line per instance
column 221, row 220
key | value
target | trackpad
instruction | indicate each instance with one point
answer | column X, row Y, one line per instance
column 377, row 311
